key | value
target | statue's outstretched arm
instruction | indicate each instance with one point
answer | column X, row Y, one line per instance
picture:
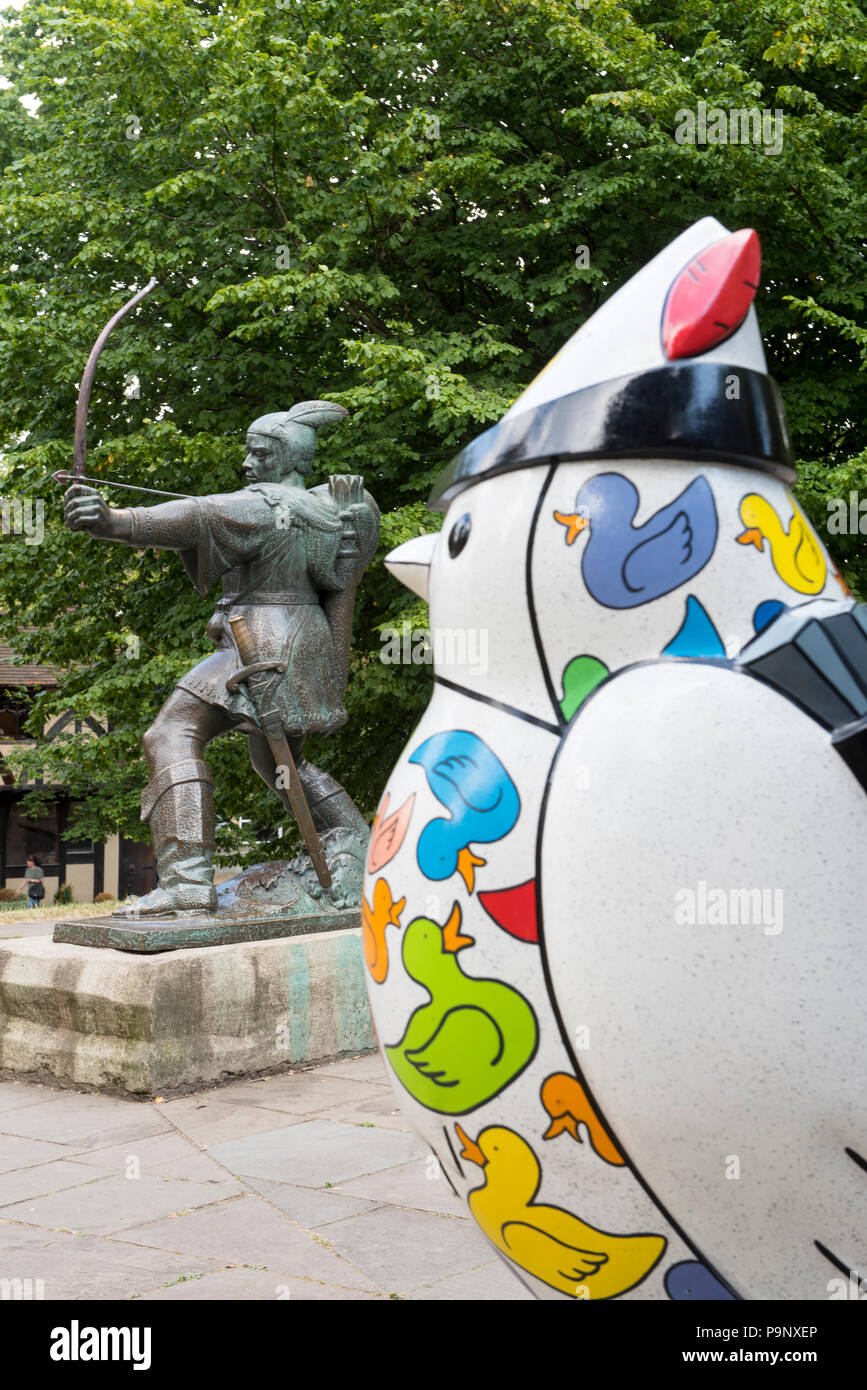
column 168, row 526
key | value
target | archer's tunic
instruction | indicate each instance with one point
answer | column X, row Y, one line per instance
column 274, row 547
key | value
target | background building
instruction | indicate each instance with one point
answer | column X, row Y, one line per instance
column 119, row 866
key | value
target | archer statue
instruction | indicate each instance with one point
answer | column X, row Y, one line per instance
column 290, row 560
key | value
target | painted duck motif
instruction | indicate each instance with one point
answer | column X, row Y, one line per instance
column 384, row 913
column 480, row 796
column 549, row 1242
column 796, row 557
column 472, row 1038
column 626, row 565
column 569, row 1106
column 388, row 833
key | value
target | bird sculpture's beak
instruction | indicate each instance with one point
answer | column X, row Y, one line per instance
column 469, row 1149
column 574, row 522
column 752, row 536
column 467, row 865
column 559, row 1123
column 411, row 562
column 452, row 939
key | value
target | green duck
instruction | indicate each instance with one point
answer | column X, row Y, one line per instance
column 473, row 1037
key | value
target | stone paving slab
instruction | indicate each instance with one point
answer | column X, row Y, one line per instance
column 305, row 1185
column 408, row 1185
column 491, row 1282
column 407, row 1248
column 304, row 1093
column 101, row 1269
column 317, row 1153
column 369, row 1068
column 85, row 1267
column 196, row 1167
column 84, row 1121
column 23, row 1184
column 309, row 1206
column 382, row 1112
column 108, row 1204
column 17, row 1241
column 250, row 1231
column 211, row 1122
column 157, row 1150
column 17, row 1152
column 16, row 1094
column 244, row 1283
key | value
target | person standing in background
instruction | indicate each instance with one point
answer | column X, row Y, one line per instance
column 33, row 881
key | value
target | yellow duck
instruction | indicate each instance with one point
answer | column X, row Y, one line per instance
column 550, row 1243
column 796, row 556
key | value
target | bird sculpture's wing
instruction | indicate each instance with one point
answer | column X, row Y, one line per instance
column 808, row 557
column 472, row 783
column 466, row 1043
column 725, row 959
column 680, row 540
column 662, row 557
column 547, row 1256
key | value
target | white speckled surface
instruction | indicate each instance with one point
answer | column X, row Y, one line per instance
column 716, row 1040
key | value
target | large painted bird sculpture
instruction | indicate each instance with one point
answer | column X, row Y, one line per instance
column 649, row 1014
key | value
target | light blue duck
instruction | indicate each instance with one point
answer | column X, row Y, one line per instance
column 479, row 794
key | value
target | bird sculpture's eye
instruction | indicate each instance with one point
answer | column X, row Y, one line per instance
column 459, row 535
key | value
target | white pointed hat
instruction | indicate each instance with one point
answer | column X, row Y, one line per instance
column 671, row 365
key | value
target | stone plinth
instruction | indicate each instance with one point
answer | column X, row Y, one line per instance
column 148, row 1024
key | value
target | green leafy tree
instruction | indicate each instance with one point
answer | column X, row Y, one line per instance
column 383, row 205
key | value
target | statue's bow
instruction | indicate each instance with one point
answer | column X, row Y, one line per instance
column 79, row 453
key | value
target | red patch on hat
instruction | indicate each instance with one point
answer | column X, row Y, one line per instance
column 711, row 296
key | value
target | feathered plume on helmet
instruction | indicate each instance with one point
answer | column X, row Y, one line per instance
column 295, row 430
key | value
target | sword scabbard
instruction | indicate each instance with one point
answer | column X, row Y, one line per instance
column 272, row 726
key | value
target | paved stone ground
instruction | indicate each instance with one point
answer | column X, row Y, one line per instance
column 305, row 1185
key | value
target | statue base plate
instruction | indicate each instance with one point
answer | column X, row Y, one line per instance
column 146, row 935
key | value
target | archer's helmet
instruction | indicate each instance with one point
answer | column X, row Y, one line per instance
column 295, row 431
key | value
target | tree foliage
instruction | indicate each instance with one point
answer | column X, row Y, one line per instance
column 380, row 204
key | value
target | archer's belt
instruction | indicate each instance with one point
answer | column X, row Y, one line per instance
column 247, row 600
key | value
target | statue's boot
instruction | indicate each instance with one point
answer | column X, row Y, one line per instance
column 344, row 833
column 179, row 804
column 331, row 806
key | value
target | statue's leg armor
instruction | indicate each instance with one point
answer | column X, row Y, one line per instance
column 331, row 806
column 178, row 803
column 341, row 826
